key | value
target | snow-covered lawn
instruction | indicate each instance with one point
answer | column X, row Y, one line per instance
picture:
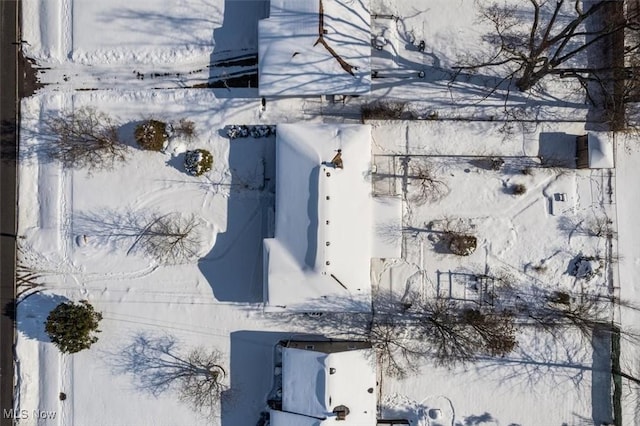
column 75, row 229
column 140, row 31
column 530, row 240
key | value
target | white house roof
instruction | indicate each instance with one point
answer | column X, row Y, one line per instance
column 601, row 150
column 295, row 61
column 320, row 256
column 315, row 383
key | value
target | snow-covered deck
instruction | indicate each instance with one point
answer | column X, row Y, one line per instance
column 315, row 47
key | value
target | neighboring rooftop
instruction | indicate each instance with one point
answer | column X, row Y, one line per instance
column 325, row 233
column 601, row 150
column 315, row 47
column 318, row 387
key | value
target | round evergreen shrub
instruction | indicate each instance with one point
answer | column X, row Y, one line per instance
column 71, row 326
column 198, row 162
column 519, row 189
column 151, row 135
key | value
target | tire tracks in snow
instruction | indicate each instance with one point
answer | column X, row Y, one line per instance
column 66, row 38
column 65, row 410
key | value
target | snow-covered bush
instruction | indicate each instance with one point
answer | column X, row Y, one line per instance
column 242, row 131
column 585, row 267
column 198, row 162
column 496, row 163
column 152, row 135
column 186, row 128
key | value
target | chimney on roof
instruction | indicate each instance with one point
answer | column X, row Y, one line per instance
column 341, row 412
column 337, row 160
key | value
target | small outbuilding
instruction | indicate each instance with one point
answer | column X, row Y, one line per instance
column 595, row 151
column 327, row 383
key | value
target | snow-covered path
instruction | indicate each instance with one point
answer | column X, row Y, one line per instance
column 628, row 198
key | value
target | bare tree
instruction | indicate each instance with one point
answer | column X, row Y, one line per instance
column 405, row 330
column 550, row 40
column 560, row 310
column 447, row 331
column 185, row 127
column 159, row 365
column 428, row 188
column 85, row 138
column 169, row 238
column 460, row 332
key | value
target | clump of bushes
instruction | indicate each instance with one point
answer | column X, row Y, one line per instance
column 384, row 111
column 462, row 244
column 241, row 131
column 496, row 163
column 518, row 189
column 198, row 162
column 186, row 128
column 152, row 135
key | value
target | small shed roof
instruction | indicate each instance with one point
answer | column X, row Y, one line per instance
column 315, row 47
column 601, row 150
column 315, row 383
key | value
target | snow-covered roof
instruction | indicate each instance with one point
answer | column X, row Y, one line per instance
column 601, row 150
column 315, row 383
column 323, row 244
column 315, row 47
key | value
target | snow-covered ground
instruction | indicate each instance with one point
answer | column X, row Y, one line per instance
column 71, row 222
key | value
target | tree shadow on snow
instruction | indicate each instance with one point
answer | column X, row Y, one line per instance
column 32, row 312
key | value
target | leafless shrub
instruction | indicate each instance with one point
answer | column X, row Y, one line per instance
column 540, row 268
column 186, row 128
column 453, row 236
column 518, row 189
column 428, row 187
column 461, row 244
column 170, row 238
column 383, row 110
column 85, row 138
column 598, row 226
